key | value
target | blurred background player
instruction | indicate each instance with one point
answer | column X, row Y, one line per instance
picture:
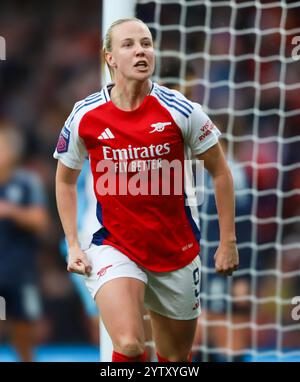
column 23, row 218
column 217, row 290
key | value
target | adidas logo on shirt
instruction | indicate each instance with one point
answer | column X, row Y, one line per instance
column 107, row 134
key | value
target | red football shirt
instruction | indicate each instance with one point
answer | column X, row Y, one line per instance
column 142, row 204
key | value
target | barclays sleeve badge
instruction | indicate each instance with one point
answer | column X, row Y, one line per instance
column 63, row 141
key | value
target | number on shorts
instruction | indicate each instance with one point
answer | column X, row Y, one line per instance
column 196, row 276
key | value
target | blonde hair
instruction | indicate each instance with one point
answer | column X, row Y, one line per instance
column 107, row 41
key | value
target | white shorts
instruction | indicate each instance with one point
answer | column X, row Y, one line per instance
column 173, row 294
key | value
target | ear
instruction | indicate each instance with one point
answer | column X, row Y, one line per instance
column 110, row 59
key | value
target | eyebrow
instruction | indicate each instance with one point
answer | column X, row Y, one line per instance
column 131, row 39
column 126, row 39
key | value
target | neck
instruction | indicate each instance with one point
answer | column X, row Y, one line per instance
column 129, row 95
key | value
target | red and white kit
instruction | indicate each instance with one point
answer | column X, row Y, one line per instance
column 158, row 232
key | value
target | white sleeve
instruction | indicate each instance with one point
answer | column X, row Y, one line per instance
column 201, row 133
column 70, row 149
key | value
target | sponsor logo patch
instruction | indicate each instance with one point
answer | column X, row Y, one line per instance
column 206, row 130
column 63, row 141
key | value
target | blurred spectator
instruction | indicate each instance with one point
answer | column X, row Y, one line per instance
column 23, row 217
column 46, row 70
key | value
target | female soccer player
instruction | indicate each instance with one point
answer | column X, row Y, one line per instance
column 147, row 249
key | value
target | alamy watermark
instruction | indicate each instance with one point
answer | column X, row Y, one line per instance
column 296, row 310
column 296, row 49
column 2, row 308
column 155, row 177
column 2, row 49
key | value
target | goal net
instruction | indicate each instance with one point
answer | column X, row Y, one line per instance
column 239, row 59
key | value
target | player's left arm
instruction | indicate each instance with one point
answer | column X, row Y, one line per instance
column 226, row 257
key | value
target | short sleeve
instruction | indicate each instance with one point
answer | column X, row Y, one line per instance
column 202, row 133
column 70, row 149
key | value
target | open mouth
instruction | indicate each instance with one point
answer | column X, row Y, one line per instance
column 141, row 64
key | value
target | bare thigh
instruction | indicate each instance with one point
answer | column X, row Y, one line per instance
column 121, row 303
column 173, row 338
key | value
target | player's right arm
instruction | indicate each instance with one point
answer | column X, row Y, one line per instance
column 66, row 199
column 71, row 153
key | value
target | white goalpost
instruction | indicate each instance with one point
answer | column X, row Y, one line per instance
column 111, row 11
column 236, row 59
